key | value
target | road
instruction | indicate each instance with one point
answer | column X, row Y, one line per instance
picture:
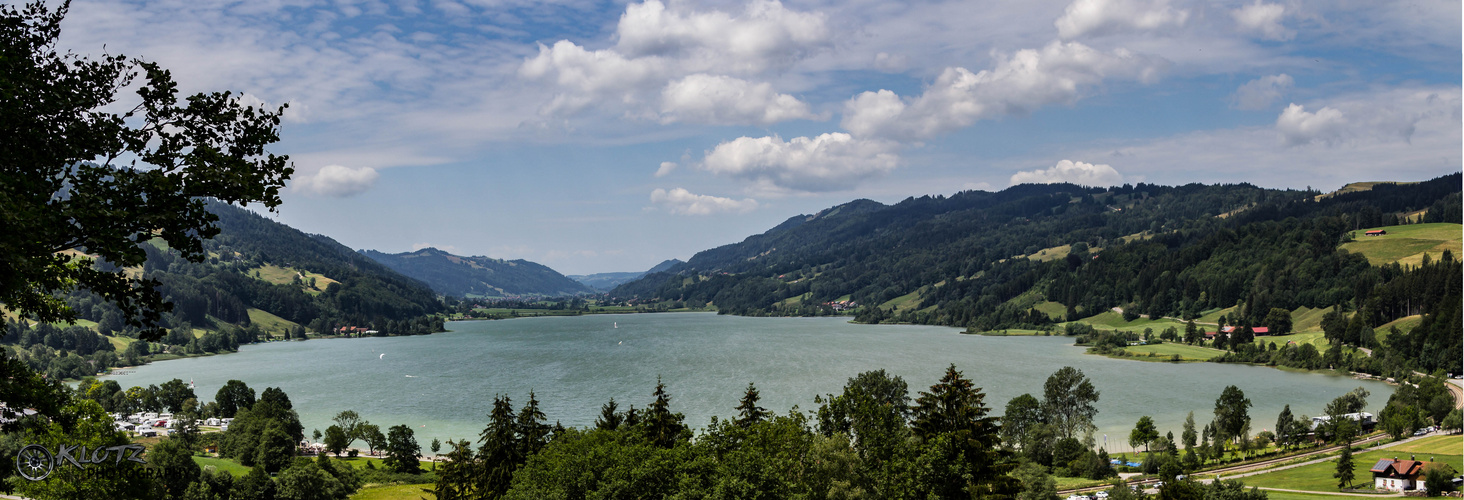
column 1264, row 465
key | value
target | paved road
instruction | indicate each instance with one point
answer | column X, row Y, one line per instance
column 1457, row 387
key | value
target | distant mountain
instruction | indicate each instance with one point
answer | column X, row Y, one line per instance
column 460, row 276
column 607, row 281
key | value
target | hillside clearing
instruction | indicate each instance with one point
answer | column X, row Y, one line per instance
column 1407, row 244
column 269, row 322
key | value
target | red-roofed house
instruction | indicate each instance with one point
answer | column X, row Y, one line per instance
column 1376, row 232
column 1398, row 475
column 1258, row 330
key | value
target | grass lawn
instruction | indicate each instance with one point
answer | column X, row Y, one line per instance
column 120, row 343
column 1407, row 244
column 1306, row 319
column 1065, row 483
column 1286, row 495
column 286, row 275
column 222, row 464
column 1437, row 445
column 394, row 492
column 1318, row 476
column 360, row 462
column 1167, row 350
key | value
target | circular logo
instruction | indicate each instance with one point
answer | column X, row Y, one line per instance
column 34, row 462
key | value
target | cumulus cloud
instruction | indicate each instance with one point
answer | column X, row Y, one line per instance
column 695, row 60
column 1299, row 126
column 1359, row 120
column 1263, row 19
column 587, row 76
column 719, row 99
column 1056, row 74
column 682, row 202
column 1076, row 172
column 765, row 35
column 666, row 168
column 1261, row 92
column 336, row 181
column 828, row 162
column 1102, row 17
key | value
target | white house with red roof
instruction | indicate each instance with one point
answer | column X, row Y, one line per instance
column 1398, row 475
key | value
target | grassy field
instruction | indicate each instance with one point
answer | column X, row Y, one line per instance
column 222, row 464
column 1054, row 310
column 1314, row 338
column 1407, row 244
column 1318, row 476
column 1109, row 320
column 903, row 302
column 1306, row 319
column 1357, row 186
column 1167, row 350
column 120, row 343
column 1405, row 324
column 395, row 492
column 269, row 322
column 1437, row 445
column 286, row 275
column 1213, row 316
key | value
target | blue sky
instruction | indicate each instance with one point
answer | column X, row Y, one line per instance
column 607, row 136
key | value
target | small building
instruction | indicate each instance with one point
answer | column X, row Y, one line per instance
column 1257, row 330
column 1367, row 420
column 1376, row 232
column 1398, row 475
column 212, row 422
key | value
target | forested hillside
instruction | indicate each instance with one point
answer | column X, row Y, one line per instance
column 261, row 278
column 984, row 260
column 478, row 276
column 607, row 281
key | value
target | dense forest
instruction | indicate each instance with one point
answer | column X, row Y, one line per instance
column 254, row 263
column 478, row 276
column 982, row 260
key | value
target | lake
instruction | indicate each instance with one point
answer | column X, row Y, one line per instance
column 443, row 385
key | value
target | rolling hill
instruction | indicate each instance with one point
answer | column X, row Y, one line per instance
column 607, row 281
column 478, row 276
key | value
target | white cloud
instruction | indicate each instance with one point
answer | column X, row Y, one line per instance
column 1059, row 73
column 766, row 35
column 682, row 202
column 1102, row 17
column 666, row 168
column 828, row 162
column 689, row 57
column 1263, row 19
column 1298, row 126
column 724, row 100
column 1080, row 173
column 336, row 181
column 1261, row 92
column 891, row 63
column 591, row 76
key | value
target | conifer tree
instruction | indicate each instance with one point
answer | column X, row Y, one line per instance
column 632, row 418
column 1344, row 472
column 954, row 412
column 609, row 420
column 498, row 450
column 533, row 432
column 663, row 427
column 749, row 412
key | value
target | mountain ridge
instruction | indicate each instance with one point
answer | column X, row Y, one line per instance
column 464, row 276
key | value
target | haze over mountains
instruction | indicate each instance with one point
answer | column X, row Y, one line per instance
column 478, row 276
column 604, row 282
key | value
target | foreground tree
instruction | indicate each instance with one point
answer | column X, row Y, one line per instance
column 1068, row 400
column 64, row 184
column 402, row 450
column 748, row 412
column 232, row 397
column 1144, row 433
column 1344, row 472
column 1232, row 413
column 953, row 420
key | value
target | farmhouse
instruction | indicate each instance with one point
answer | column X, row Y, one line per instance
column 1398, row 475
column 1376, row 232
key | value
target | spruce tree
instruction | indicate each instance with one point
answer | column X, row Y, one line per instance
column 954, row 411
column 749, row 412
column 1344, row 473
column 663, row 427
column 609, row 420
column 498, row 450
column 533, row 432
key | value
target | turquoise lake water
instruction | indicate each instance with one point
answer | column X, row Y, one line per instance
column 442, row 385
